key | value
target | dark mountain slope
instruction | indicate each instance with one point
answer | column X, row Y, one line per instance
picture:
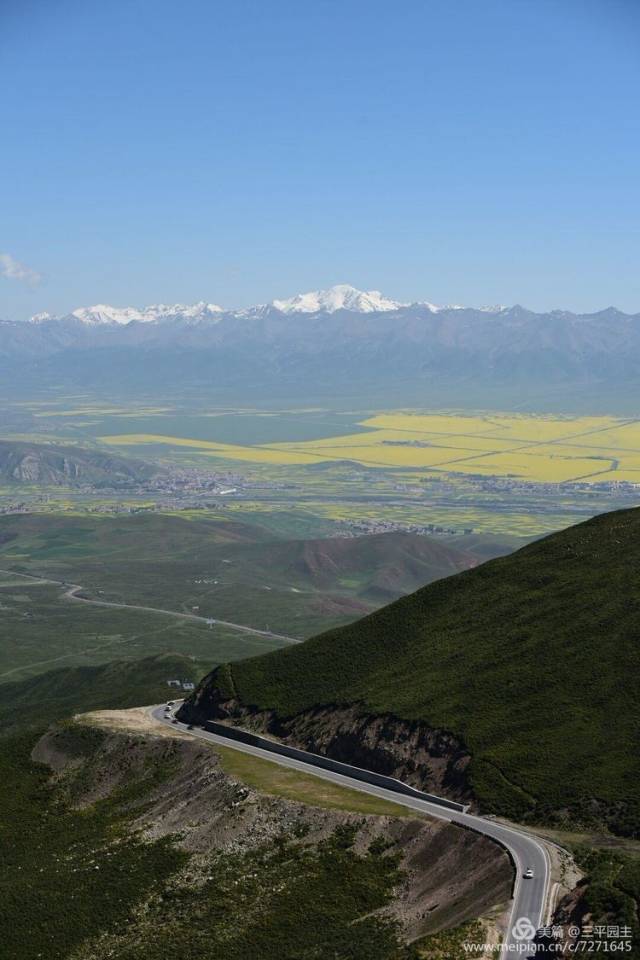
column 532, row 661
column 378, row 566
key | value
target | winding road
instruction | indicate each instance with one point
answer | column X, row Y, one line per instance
column 73, row 589
column 530, row 896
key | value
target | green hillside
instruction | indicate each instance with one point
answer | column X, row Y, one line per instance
column 226, row 569
column 117, row 685
column 532, row 659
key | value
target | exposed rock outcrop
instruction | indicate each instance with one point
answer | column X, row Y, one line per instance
column 430, row 759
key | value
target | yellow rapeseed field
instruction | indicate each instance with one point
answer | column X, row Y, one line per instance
column 228, row 451
column 538, row 448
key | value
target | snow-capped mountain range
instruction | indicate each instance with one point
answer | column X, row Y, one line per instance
column 103, row 313
column 340, row 297
column 340, row 341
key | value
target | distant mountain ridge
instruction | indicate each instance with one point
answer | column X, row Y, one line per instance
column 329, row 341
column 339, row 297
column 23, row 462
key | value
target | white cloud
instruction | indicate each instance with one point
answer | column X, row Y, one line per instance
column 12, row 269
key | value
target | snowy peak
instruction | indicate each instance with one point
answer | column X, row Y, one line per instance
column 102, row 314
column 193, row 312
column 340, row 297
column 345, row 297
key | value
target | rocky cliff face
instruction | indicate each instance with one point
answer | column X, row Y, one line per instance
column 430, row 759
column 53, row 464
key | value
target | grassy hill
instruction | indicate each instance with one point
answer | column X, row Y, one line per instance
column 120, row 684
column 40, row 630
column 532, row 660
column 226, row 569
column 384, row 565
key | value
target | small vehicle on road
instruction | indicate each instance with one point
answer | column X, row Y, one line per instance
column 528, row 874
column 174, row 720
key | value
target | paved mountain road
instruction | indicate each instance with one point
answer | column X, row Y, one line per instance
column 530, row 895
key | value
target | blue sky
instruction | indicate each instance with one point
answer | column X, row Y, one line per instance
column 467, row 151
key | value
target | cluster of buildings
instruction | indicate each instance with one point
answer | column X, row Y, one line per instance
column 182, row 481
column 358, row 528
column 184, row 684
column 8, row 508
column 492, row 484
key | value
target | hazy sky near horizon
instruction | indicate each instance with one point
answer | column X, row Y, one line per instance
column 451, row 150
